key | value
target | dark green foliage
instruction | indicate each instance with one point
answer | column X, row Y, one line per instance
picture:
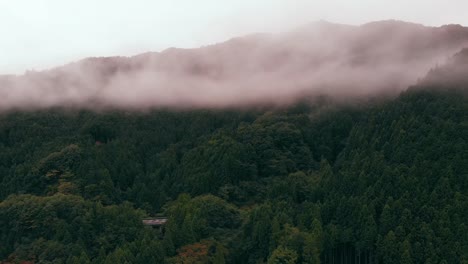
column 376, row 183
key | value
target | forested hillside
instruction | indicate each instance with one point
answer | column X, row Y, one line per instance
column 362, row 183
column 320, row 181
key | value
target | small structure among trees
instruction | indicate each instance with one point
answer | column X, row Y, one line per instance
column 157, row 222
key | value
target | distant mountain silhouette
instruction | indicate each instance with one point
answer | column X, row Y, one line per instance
column 318, row 58
column 365, row 44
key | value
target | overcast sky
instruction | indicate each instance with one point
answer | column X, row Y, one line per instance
column 37, row 34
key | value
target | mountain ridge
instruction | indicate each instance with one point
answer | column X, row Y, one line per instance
column 322, row 58
column 390, row 22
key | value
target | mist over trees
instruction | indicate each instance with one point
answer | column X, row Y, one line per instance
column 371, row 183
column 313, row 181
column 318, row 59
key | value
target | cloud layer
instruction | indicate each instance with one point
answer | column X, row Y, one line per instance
column 318, row 59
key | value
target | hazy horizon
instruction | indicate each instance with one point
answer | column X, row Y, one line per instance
column 44, row 34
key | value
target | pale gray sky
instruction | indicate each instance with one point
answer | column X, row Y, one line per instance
column 37, row 34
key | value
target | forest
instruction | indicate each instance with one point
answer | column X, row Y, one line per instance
column 314, row 183
column 373, row 181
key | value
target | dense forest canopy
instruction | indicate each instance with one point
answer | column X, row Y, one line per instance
column 382, row 181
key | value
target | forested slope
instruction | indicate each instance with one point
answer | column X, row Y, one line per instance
column 385, row 182
column 382, row 182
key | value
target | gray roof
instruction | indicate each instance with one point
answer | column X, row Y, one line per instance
column 155, row 221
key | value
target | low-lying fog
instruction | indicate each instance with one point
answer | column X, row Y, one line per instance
column 318, row 59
